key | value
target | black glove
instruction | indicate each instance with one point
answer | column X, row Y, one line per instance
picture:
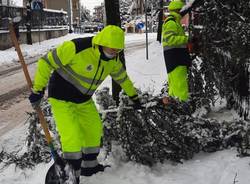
column 137, row 104
column 35, row 98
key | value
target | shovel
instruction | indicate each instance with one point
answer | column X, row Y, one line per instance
column 57, row 173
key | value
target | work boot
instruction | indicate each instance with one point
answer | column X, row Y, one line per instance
column 94, row 170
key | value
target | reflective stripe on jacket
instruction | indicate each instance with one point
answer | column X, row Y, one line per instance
column 78, row 67
column 174, row 43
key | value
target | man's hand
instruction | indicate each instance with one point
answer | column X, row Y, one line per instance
column 35, row 98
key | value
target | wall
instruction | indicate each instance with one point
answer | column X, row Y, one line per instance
column 63, row 4
column 58, row 5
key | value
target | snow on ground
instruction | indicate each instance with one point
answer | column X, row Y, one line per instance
column 222, row 167
column 150, row 74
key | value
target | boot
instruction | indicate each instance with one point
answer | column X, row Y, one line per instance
column 72, row 170
column 93, row 170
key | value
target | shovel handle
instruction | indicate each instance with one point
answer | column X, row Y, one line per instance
column 29, row 82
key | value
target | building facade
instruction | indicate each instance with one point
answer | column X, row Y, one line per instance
column 98, row 15
column 64, row 5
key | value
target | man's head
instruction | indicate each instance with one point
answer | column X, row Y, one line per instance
column 175, row 5
column 111, row 38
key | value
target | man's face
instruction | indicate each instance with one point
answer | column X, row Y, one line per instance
column 111, row 51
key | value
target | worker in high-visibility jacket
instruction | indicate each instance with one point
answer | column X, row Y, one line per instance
column 176, row 54
column 74, row 70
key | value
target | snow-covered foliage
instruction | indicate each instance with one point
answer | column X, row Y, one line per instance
column 158, row 133
column 223, row 40
column 148, row 136
column 133, row 10
column 36, row 149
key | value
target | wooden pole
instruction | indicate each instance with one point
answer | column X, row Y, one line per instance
column 29, row 82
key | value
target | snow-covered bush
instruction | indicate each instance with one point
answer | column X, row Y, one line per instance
column 158, row 132
column 36, row 149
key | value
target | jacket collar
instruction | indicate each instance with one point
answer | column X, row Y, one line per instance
column 176, row 15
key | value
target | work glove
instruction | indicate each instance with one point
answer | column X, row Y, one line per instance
column 137, row 104
column 35, row 98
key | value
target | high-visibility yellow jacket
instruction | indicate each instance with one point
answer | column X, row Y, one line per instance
column 79, row 66
column 174, row 42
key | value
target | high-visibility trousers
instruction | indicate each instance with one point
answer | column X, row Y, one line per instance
column 178, row 83
column 79, row 126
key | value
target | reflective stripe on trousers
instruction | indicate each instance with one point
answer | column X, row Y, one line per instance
column 173, row 47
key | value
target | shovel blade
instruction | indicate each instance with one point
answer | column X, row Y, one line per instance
column 53, row 176
column 61, row 175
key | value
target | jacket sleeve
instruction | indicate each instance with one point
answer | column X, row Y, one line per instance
column 119, row 75
column 46, row 64
column 170, row 35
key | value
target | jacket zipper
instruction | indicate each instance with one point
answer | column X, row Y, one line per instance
column 95, row 75
column 100, row 76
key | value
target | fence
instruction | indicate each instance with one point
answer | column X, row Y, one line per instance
column 45, row 18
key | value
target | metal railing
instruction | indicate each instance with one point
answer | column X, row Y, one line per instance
column 45, row 18
column 8, row 11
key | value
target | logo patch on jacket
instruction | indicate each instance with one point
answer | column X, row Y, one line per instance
column 89, row 68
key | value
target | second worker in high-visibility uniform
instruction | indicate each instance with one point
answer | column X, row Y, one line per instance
column 74, row 70
column 176, row 54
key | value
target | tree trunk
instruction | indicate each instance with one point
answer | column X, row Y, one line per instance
column 113, row 18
